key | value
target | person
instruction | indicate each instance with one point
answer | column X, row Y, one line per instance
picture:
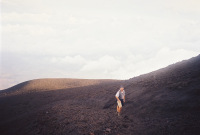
column 120, row 96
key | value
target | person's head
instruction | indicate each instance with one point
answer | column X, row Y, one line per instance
column 121, row 88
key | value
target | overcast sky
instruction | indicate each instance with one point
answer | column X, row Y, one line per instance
column 116, row 39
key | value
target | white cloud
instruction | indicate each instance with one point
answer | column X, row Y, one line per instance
column 29, row 30
column 106, row 67
column 103, row 39
column 26, row 17
column 76, row 60
column 184, row 5
column 162, row 58
column 104, row 64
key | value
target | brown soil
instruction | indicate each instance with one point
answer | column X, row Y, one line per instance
column 163, row 102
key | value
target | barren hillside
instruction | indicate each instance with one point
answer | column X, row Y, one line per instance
column 49, row 84
column 166, row 101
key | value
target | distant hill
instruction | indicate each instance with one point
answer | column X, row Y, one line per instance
column 163, row 102
column 48, row 84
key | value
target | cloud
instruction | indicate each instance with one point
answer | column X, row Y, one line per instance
column 184, row 5
column 102, row 66
column 105, row 67
column 69, row 60
column 134, row 65
column 103, row 39
column 162, row 58
column 26, row 17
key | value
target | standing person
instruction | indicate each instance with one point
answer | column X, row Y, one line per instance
column 120, row 96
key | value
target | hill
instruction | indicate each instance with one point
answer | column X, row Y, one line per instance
column 166, row 101
column 49, row 84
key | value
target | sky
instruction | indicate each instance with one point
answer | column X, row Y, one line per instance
column 104, row 39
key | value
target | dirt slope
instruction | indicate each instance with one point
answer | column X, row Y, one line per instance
column 166, row 102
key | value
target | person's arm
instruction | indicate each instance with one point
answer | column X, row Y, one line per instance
column 124, row 99
column 117, row 98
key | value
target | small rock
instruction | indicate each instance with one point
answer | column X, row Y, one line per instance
column 108, row 129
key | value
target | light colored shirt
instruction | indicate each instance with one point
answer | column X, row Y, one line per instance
column 120, row 94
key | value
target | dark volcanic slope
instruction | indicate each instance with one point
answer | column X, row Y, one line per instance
column 166, row 101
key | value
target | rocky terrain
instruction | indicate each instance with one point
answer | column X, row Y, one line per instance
column 163, row 102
